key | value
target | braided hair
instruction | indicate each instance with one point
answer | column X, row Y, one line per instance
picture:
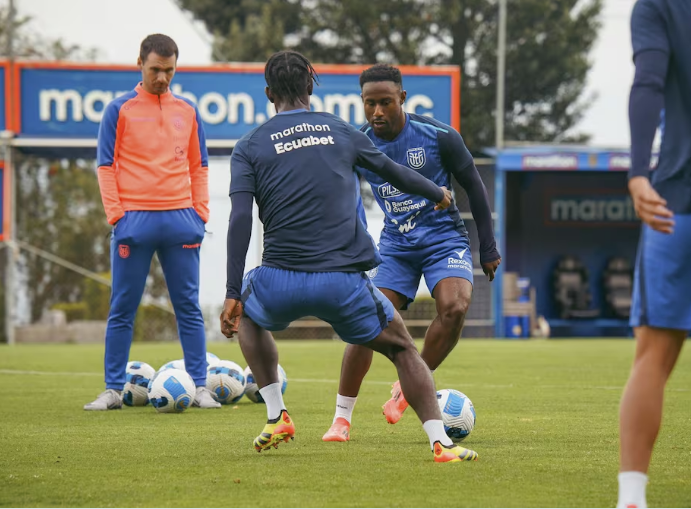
column 288, row 75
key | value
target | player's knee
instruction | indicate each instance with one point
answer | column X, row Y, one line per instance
column 453, row 313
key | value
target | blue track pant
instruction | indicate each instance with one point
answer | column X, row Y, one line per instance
column 176, row 236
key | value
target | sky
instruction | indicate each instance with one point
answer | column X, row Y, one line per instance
column 116, row 28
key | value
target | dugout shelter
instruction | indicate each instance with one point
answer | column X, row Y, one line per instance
column 565, row 210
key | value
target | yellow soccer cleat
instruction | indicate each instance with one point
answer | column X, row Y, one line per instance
column 444, row 454
column 276, row 431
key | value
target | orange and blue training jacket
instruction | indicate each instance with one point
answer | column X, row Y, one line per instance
column 152, row 155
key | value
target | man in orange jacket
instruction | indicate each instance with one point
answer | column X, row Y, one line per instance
column 153, row 175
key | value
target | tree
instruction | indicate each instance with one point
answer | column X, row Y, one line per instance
column 548, row 43
column 246, row 30
column 29, row 44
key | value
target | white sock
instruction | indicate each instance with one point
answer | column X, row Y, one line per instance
column 273, row 399
column 344, row 407
column 435, row 431
column 632, row 489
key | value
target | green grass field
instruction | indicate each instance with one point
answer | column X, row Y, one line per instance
column 546, row 432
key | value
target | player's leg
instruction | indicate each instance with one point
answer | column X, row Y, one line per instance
column 179, row 257
column 131, row 251
column 368, row 318
column 398, row 280
column 661, row 317
column 267, row 294
column 452, row 298
column 657, row 351
column 449, row 276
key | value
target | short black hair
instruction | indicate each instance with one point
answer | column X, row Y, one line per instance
column 159, row 44
column 288, row 74
column 381, row 72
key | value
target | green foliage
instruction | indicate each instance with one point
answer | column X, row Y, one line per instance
column 73, row 310
column 59, row 210
column 97, row 298
column 154, row 324
column 548, row 43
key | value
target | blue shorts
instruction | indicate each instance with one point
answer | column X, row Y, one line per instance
column 348, row 301
column 662, row 280
column 401, row 267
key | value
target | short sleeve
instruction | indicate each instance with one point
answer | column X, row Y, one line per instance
column 648, row 28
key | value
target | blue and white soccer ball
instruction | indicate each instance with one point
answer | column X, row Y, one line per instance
column 177, row 364
column 139, row 374
column 226, row 381
column 457, row 413
column 172, row 390
column 180, row 363
column 251, row 389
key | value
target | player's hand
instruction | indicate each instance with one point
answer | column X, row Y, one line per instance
column 650, row 206
column 230, row 317
column 446, row 202
column 490, row 268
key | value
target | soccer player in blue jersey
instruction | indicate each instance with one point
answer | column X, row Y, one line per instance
column 661, row 307
column 417, row 239
column 299, row 167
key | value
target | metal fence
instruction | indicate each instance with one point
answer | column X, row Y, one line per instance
column 62, row 266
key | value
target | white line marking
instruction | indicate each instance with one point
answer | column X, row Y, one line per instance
column 333, row 381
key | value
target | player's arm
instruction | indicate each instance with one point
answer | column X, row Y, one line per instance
column 242, row 186
column 457, row 160
column 199, row 168
column 403, row 178
column 105, row 157
column 651, row 53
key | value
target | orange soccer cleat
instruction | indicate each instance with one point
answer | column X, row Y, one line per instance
column 338, row 432
column 394, row 408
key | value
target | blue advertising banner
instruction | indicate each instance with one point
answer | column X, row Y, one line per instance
column 63, row 101
column 565, row 159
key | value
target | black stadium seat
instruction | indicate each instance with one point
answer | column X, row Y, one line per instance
column 617, row 283
column 571, row 288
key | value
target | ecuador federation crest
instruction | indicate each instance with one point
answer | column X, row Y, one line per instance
column 416, row 158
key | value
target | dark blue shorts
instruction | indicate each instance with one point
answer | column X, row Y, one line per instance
column 662, row 281
column 401, row 268
column 348, row 301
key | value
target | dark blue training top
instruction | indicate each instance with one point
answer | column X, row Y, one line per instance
column 661, row 37
column 300, row 168
column 436, row 151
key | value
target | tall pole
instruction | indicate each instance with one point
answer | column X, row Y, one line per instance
column 500, row 177
column 11, row 245
column 501, row 76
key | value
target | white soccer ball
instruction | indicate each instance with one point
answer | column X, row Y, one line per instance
column 457, row 413
column 211, row 358
column 251, row 389
column 172, row 390
column 226, row 381
column 178, row 364
column 139, row 374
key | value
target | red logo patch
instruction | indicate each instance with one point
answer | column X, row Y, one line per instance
column 178, row 123
column 124, row 251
